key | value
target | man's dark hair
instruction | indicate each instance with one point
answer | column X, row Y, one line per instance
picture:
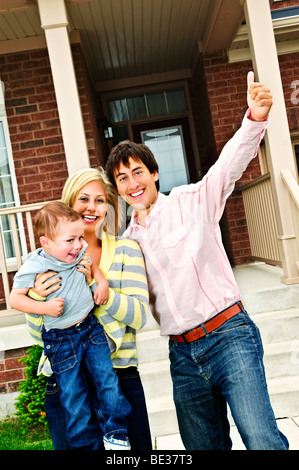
column 121, row 154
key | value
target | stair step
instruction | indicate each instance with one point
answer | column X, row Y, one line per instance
column 162, row 416
column 156, row 378
column 284, row 395
column 277, row 326
column 262, row 290
column 282, row 359
column 151, row 346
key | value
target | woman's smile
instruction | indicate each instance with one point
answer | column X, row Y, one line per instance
column 89, row 219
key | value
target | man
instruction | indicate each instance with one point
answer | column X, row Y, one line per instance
column 215, row 349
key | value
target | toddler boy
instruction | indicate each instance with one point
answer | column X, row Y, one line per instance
column 72, row 335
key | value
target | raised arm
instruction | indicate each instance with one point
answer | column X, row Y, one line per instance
column 217, row 185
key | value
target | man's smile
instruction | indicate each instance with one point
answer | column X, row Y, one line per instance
column 138, row 194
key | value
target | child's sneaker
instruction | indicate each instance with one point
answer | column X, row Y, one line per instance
column 116, row 444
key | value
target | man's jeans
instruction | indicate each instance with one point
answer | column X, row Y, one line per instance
column 68, row 349
column 224, row 367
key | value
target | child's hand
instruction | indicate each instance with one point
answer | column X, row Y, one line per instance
column 54, row 307
column 101, row 293
column 84, row 267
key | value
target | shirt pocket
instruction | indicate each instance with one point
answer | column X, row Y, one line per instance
column 178, row 246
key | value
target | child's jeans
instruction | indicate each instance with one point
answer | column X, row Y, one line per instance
column 68, row 349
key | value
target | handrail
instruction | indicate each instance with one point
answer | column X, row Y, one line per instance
column 293, row 189
column 20, row 209
column 261, row 221
column 12, row 213
column 292, row 185
column 255, row 182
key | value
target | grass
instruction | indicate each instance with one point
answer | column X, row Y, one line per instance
column 11, row 437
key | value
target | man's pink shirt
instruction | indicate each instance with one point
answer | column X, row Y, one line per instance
column 189, row 275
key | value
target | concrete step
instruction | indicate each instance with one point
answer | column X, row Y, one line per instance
column 278, row 326
column 162, row 416
column 156, row 378
column 279, row 331
column 284, row 395
column 262, row 290
column 281, row 359
column 151, row 346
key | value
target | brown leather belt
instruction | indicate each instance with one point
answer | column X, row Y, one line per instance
column 209, row 325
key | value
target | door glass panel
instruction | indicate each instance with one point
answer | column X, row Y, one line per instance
column 167, row 146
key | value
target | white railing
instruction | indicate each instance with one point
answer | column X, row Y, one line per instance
column 261, row 220
column 8, row 269
column 293, row 189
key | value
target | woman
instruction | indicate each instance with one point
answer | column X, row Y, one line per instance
column 91, row 194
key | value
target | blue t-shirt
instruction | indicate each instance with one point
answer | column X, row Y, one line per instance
column 77, row 295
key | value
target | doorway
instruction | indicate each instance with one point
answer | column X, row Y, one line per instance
column 170, row 142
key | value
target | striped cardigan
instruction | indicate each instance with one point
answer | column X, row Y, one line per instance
column 126, row 310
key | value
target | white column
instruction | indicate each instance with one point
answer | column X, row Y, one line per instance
column 54, row 22
column 277, row 139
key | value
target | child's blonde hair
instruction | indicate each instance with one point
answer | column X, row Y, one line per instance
column 50, row 215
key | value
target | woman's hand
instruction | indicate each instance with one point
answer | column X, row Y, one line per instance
column 44, row 286
column 84, row 267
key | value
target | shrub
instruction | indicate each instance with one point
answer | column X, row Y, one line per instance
column 30, row 402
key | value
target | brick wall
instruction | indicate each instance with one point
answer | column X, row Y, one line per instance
column 34, row 125
column 289, row 66
column 227, row 84
column 11, row 370
column 284, row 4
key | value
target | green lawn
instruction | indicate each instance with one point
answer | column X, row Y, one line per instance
column 11, row 437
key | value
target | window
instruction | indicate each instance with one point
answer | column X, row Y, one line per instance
column 167, row 145
column 8, row 186
column 148, row 105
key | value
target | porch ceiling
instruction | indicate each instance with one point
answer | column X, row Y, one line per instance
column 129, row 38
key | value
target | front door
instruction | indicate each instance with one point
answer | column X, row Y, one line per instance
column 170, row 142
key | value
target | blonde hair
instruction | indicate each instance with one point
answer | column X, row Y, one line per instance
column 48, row 217
column 82, row 177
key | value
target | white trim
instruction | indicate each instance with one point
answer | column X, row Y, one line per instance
column 3, row 119
column 54, row 22
column 277, row 138
column 15, row 336
column 280, row 26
